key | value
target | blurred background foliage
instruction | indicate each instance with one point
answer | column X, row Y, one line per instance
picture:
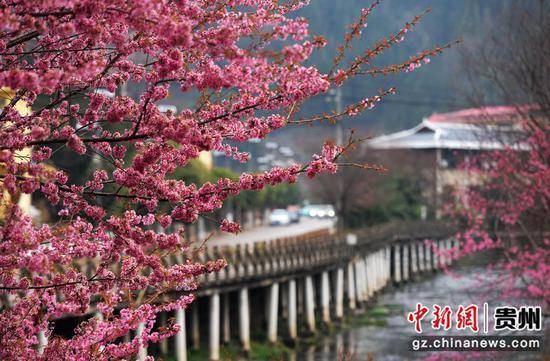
column 403, row 200
column 438, row 87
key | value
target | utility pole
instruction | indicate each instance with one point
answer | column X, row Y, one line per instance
column 335, row 95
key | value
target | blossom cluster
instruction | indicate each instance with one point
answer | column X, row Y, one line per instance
column 506, row 209
column 64, row 65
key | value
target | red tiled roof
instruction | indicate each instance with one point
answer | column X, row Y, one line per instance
column 481, row 115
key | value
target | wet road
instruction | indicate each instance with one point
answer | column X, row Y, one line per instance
column 272, row 232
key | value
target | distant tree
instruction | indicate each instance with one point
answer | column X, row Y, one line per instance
column 508, row 64
column 401, row 185
column 282, row 195
column 347, row 191
column 508, row 209
column 401, row 201
column 68, row 60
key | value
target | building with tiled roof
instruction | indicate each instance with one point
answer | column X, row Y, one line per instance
column 443, row 140
column 486, row 128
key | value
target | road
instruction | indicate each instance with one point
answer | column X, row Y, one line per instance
column 271, row 232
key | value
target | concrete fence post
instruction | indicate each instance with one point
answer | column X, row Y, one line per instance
column 201, row 229
column 449, row 246
column 421, row 256
column 310, row 304
column 437, row 257
column 284, row 301
column 368, row 278
column 359, row 278
column 455, row 243
column 214, row 336
column 429, row 259
column 371, row 274
column 388, row 264
column 142, row 352
column 442, row 255
column 244, row 319
column 363, row 273
column 384, row 267
column 364, row 280
column 272, row 318
column 414, row 259
column 292, row 326
column 381, row 269
column 42, row 342
column 181, row 341
column 377, row 271
column 405, row 262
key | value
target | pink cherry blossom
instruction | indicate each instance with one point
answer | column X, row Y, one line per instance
column 69, row 61
column 507, row 210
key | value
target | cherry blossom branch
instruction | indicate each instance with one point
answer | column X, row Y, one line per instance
column 350, row 110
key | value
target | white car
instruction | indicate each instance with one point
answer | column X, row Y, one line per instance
column 320, row 211
column 279, row 217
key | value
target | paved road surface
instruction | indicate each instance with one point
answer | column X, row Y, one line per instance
column 271, row 232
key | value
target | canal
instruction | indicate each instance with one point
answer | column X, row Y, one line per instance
column 383, row 333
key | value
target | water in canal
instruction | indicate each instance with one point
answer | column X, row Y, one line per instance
column 388, row 340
